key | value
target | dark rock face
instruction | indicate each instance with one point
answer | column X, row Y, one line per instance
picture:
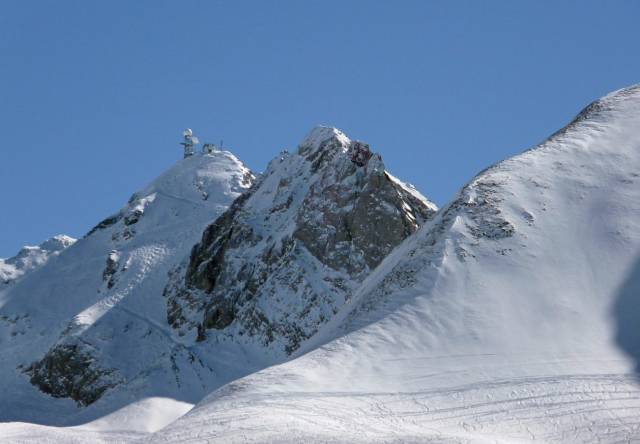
column 287, row 254
column 108, row 275
column 105, row 223
column 209, row 253
column 484, row 211
column 133, row 218
column 355, row 224
column 360, row 153
column 68, row 372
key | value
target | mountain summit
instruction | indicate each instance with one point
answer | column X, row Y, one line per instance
column 288, row 254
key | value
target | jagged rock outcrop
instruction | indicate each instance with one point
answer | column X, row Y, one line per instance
column 287, row 254
column 111, row 268
column 69, row 371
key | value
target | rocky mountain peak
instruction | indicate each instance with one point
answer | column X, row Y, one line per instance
column 324, row 145
column 323, row 137
column 287, row 254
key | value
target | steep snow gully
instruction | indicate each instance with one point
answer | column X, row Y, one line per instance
column 509, row 315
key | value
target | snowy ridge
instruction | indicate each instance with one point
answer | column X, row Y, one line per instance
column 319, row 135
column 31, row 258
column 411, row 189
column 510, row 317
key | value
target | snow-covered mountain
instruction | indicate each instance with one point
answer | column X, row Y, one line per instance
column 93, row 317
column 153, row 309
column 512, row 316
column 30, row 258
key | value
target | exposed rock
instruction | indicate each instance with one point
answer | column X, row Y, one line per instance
column 66, row 371
column 105, row 223
column 108, row 275
column 286, row 255
column 133, row 218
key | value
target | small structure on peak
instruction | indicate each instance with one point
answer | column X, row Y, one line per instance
column 188, row 142
column 209, row 148
column 360, row 153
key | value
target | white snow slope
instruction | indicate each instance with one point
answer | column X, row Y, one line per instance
column 103, row 295
column 511, row 317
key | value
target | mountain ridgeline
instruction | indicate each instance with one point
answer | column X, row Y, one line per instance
column 511, row 316
column 30, row 258
column 324, row 300
column 208, row 273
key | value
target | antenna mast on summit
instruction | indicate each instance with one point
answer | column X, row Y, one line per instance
column 188, row 142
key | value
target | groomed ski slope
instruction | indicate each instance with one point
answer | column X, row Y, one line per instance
column 511, row 317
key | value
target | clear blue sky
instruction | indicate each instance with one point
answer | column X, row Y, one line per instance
column 94, row 95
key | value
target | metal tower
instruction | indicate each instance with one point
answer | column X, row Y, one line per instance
column 189, row 142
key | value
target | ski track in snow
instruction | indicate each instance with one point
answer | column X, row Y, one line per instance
column 571, row 408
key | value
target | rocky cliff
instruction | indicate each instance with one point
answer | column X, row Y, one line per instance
column 288, row 253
